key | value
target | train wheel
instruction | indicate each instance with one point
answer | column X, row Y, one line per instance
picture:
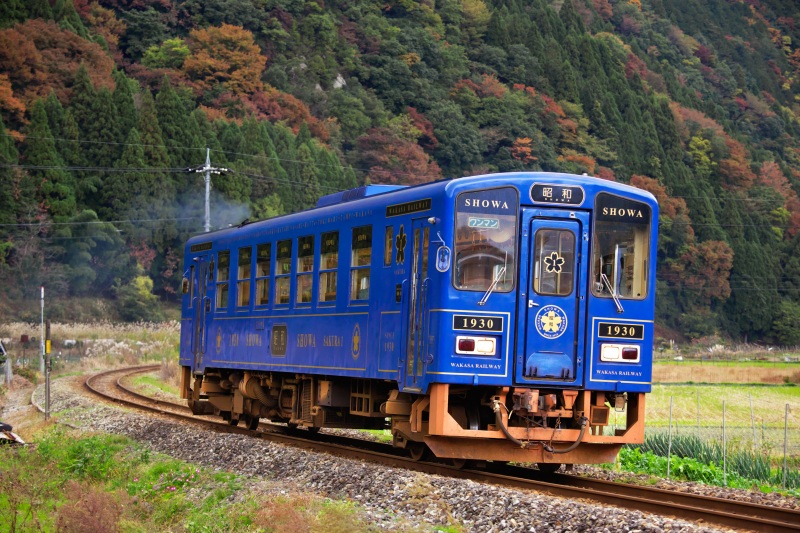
column 252, row 423
column 548, row 468
column 417, row 450
column 233, row 421
column 457, row 463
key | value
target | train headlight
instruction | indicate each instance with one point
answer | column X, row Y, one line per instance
column 468, row 345
column 619, row 353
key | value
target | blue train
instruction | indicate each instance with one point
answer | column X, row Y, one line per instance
column 498, row 317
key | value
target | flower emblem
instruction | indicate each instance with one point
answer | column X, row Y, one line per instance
column 553, row 263
column 400, row 246
column 551, row 322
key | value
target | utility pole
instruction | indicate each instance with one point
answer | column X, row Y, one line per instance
column 41, row 338
column 207, row 169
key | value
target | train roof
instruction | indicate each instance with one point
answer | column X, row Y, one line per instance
column 590, row 183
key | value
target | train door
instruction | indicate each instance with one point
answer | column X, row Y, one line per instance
column 416, row 343
column 552, row 313
column 202, row 282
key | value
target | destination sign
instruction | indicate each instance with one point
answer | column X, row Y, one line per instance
column 617, row 209
column 479, row 323
column 408, row 208
column 202, row 247
column 615, row 330
column 556, row 194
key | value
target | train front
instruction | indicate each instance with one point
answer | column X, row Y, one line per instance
column 545, row 335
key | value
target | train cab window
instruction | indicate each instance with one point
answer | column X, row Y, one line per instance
column 554, row 260
column 388, row 246
column 263, row 258
column 283, row 270
column 486, row 236
column 360, row 261
column 329, row 262
column 620, row 247
column 191, row 286
column 223, row 278
column 243, row 277
column 305, row 267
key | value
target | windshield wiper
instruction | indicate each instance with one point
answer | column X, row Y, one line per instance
column 613, row 292
column 495, row 281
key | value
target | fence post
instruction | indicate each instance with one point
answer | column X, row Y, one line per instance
column 785, row 443
column 724, row 449
column 698, row 413
column 669, row 441
column 752, row 420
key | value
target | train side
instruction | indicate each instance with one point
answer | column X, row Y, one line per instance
column 500, row 317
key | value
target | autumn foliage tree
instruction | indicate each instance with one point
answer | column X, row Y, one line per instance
column 224, row 58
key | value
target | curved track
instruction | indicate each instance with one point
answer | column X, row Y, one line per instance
column 734, row 514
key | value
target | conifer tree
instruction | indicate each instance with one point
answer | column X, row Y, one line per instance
column 127, row 116
column 307, row 190
column 174, row 116
column 56, row 188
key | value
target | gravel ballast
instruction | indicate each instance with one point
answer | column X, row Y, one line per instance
column 393, row 499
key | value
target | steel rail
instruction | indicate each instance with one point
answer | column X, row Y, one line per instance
column 730, row 513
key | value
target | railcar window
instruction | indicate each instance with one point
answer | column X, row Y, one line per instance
column 554, row 261
column 305, row 265
column 283, row 269
column 191, row 286
column 388, row 246
column 223, row 277
column 360, row 261
column 486, row 236
column 263, row 258
column 620, row 247
column 243, row 277
column 329, row 262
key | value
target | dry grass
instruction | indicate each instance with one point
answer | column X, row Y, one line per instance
column 725, row 373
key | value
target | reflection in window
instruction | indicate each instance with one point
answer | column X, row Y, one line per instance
column 360, row 261
column 243, row 277
column 329, row 261
column 620, row 247
column 485, row 247
column 554, row 261
column 305, row 265
column 388, row 245
column 283, row 267
column 263, row 258
column 223, row 276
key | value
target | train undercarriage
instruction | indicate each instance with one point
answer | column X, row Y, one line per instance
column 545, row 426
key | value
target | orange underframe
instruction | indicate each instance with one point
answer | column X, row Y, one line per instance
column 447, row 438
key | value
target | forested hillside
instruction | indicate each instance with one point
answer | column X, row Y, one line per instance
column 108, row 106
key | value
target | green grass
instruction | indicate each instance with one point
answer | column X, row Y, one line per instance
column 148, row 384
column 75, row 482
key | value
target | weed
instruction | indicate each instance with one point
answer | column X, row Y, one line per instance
column 90, row 509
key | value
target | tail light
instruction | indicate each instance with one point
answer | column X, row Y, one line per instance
column 468, row 345
column 619, row 353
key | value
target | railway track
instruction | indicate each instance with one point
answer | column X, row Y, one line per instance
column 734, row 514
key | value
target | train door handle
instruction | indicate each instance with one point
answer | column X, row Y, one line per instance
column 531, row 303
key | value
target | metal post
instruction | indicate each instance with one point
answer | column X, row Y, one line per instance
column 41, row 338
column 47, row 373
column 724, row 449
column 752, row 420
column 785, row 441
column 207, row 170
column 698, row 413
column 669, row 444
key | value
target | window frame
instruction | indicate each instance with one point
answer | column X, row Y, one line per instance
column 222, row 286
column 282, row 260
column 263, row 281
column 325, row 247
column 304, row 270
column 358, row 269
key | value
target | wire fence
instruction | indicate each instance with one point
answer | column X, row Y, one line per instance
column 747, row 430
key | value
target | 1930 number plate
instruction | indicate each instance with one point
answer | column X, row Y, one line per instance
column 616, row 330
column 480, row 323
